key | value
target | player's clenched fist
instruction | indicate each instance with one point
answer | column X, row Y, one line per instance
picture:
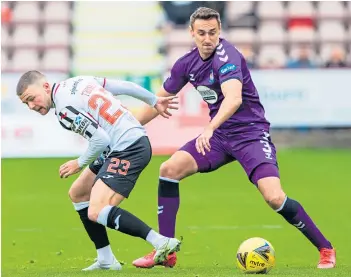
column 69, row 168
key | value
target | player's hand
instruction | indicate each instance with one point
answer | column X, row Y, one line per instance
column 164, row 103
column 203, row 141
column 69, row 168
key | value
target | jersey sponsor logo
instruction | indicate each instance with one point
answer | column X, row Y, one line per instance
column 80, row 124
column 227, row 68
column 74, row 86
column 73, row 120
column 78, row 120
column 209, row 95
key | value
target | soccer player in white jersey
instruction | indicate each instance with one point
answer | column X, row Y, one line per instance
column 119, row 145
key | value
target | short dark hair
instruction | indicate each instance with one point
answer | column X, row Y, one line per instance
column 204, row 13
column 27, row 79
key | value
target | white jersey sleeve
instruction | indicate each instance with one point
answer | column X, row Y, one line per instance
column 118, row 87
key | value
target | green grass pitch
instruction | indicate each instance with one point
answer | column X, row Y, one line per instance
column 43, row 236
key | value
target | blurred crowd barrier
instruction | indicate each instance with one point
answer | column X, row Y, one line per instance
column 294, row 100
column 81, row 37
column 270, row 34
column 299, row 53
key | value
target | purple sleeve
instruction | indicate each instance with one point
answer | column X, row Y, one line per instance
column 228, row 63
column 178, row 78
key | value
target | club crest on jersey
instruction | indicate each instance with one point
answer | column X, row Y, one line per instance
column 209, row 95
column 211, row 81
column 227, row 68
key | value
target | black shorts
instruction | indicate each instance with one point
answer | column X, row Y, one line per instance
column 121, row 169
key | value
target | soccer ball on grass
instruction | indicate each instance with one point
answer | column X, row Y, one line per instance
column 255, row 256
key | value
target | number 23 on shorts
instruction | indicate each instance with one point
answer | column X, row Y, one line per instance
column 113, row 167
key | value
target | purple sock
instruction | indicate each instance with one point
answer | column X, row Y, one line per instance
column 294, row 213
column 168, row 205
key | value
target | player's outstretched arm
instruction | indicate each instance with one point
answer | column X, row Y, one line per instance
column 161, row 104
column 118, row 87
column 147, row 113
column 173, row 84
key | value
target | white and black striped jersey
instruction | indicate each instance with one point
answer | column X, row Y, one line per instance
column 86, row 105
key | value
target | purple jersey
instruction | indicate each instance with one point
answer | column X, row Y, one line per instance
column 206, row 76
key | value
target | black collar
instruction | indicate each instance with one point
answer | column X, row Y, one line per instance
column 52, row 94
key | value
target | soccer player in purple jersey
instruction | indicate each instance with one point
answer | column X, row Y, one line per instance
column 237, row 131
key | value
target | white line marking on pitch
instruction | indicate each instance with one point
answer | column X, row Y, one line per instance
column 200, row 228
column 235, row 227
column 37, row 230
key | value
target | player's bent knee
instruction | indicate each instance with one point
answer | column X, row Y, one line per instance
column 179, row 166
column 76, row 194
column 81, row 188
column 72, row 193
column 271, row 191
column 173, row 171
column 93, row 213
column 275, row 201
column 169, row 170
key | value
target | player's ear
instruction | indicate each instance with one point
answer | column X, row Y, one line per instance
column 191, row 31
column 46, row 86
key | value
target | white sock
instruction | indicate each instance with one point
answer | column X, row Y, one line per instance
column 156, row 239
column 105, row 255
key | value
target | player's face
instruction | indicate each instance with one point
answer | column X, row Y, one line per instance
column 206, row 35
column 38, row 98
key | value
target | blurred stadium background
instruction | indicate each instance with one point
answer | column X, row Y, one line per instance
column 300, row 55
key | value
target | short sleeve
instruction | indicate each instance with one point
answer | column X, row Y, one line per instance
column 101, row 81
column 228, row 61
column 178, row 78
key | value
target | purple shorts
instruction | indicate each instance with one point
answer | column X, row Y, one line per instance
column 250, row 149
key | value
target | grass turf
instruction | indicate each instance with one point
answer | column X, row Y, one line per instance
column 43, row 236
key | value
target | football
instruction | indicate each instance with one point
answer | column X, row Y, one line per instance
column 255, row 256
